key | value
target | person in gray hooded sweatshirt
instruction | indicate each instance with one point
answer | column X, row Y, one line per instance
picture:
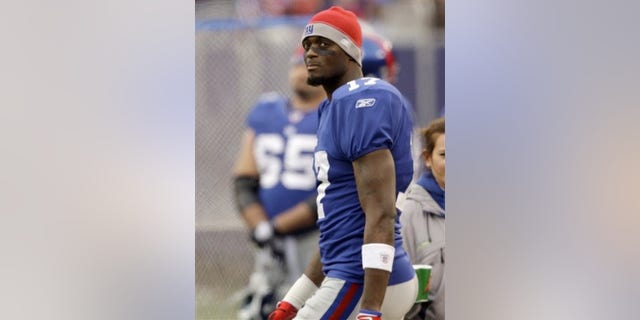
column 422, row 220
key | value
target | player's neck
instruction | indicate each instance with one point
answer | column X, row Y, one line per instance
column 351, row 74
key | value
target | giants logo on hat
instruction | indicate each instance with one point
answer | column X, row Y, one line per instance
column 340, row 26
column 308, row 30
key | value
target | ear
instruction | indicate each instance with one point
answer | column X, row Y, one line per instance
column 427, row 158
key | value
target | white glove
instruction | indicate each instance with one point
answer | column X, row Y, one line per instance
column 263, row 233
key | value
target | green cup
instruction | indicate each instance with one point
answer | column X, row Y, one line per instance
column 423, row 271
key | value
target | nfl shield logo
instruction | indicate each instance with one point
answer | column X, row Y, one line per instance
column 308, row 30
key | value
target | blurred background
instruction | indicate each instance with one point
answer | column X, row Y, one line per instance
column 242, row 50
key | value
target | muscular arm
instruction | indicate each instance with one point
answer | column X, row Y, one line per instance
column 376, row 185
column 301, row 216
column 314, row 269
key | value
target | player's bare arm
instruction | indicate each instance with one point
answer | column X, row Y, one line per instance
column 375, row 181
column 301, row 216
column 314, row 269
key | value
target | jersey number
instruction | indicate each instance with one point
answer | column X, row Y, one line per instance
column 365, row 81
column 322, row 168
column 295, row 170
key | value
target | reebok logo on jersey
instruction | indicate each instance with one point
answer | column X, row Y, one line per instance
column 365, row 103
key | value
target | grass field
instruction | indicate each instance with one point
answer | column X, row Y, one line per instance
column 224, row 261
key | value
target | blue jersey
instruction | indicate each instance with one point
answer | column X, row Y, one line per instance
column 364, row 115
column 283, row 147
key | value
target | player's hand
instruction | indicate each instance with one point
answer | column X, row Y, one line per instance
column 265, row 236
column 262, row 234
column 369, row 315
column 284, row 311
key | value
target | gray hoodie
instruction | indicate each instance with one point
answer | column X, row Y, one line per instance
column 422, row 222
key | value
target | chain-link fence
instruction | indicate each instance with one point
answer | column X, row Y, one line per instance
column 236, row 62
column 233, row 67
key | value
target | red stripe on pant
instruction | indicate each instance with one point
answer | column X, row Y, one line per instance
column 351, row 292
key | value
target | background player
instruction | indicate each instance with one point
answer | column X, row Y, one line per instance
column 275, row 188
column 363, row 159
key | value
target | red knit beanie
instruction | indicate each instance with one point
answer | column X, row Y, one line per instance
column 340, row 26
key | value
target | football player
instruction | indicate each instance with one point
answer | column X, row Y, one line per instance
column 362, row 161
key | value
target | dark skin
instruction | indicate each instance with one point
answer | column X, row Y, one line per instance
column 329, row 66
